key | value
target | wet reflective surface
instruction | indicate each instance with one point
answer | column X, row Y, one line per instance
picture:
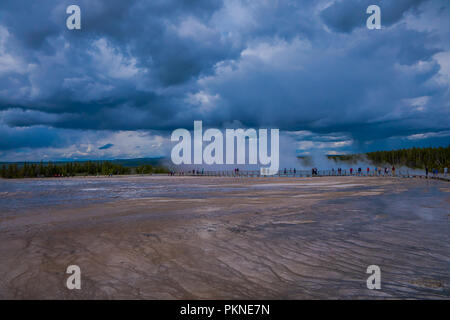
column 206, row 237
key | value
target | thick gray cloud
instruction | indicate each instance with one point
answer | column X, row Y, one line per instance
column 159, row 65
column 344, row 16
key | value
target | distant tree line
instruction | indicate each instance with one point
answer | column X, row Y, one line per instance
column 417, row 158
column 437, row 158
column 148, row 169
column 70, row 169
column 67, row 169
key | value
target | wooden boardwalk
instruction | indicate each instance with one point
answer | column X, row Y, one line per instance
column 294, row 173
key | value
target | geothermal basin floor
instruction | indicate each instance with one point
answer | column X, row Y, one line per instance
column 161, row 237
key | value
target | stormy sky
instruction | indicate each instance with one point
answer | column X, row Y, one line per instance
column 139, row 69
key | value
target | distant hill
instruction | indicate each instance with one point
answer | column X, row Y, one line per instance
column 157, row 161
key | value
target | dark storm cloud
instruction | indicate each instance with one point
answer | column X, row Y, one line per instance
column 344, row 16
column 159, row 65
column 106, row 146
column 35, row 137
column 320, row 89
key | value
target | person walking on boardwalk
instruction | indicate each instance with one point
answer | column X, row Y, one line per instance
column 351, row 171
column 393, row 171
column 426, row 172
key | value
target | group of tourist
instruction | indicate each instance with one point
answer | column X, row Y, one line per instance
column 377, row 171
column 435, row 172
